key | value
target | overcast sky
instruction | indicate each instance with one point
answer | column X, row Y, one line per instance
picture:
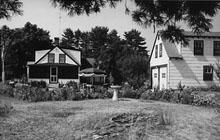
column 42, row 13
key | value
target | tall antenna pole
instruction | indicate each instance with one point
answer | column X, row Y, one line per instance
column 60, row 18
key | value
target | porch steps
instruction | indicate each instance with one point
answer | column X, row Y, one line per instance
column 53, row 85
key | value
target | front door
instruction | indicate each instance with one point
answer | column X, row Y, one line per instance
column 163, row 78
column 155, row 75
column 53, row 74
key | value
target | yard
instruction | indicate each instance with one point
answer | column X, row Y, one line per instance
column 105, row 119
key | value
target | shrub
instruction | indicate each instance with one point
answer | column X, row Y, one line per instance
column 145, row 95
column 186, row 97
column 72, row 84
column 6, row 90
column 203, row 100
column 39, row 84
column 5, row 108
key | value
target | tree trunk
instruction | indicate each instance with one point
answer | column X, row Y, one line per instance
column 3, row 64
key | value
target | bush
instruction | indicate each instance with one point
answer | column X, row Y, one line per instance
column 72, row 84
column 6, row 90
column 186, row 96
column 5, row 108
column 38, row 84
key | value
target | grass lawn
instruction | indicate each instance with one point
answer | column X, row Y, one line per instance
column 105, row 119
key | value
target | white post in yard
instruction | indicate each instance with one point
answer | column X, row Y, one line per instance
column 115, row 92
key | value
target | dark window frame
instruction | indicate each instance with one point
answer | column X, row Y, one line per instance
column 198, row 47
column 51, row 55
column 160, row 50
column 156, row 51
column 216, row 48
column 208, row 73
column 64, row 59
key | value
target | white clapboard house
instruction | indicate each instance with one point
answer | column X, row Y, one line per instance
column 54, row 66
column 192, row 65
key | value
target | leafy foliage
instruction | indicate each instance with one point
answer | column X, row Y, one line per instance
column 157, row 13
column 21, row 43
column 9, row 8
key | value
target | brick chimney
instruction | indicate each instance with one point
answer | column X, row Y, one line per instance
column 56, row 41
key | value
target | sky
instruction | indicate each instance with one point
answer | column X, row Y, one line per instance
column 44, row 15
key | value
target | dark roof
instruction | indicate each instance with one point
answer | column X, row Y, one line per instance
column 91, row 61
column 171, row 49
column 92, row 70
column 206, row 34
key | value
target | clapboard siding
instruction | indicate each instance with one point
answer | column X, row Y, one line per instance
column 159, row 60
column 190, row 70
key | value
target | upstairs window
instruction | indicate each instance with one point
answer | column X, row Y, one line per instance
column 51, row 57
column 216, row 48
column 198, row 47
column 160, row 51
column 62, row 58
column 155, row 75
column 207, row 73
column 156, row 51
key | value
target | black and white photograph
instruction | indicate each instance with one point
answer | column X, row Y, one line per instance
column 109, row 70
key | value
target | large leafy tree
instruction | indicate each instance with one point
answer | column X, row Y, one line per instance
column 21, row 47
column 134, row 42
column 71, row 39
column 133, row 62
column 7, row 39
column 157, row 13
column 99, row 39
column 8, row 8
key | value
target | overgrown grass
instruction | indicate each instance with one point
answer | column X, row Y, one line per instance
column 105, row 119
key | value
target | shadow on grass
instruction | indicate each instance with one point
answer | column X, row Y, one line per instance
column 63, row 113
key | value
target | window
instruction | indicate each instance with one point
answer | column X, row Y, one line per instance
column 62, row 58
column 160, row 51
column 51, row 57
column 155, row 75
column 163, row 75
column 156, row 51
column 198, row 47
column 207, row 73
column 216, row 50
column 158, row 37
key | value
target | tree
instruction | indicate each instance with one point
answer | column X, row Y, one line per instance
column 134, row 42
column 21, row 47
column 7, row 39
column 9, row 8
column 71, row 39
column 135, row 69
column 78, row 7
column 156, row 13
column 98, row 38
column 159, row 13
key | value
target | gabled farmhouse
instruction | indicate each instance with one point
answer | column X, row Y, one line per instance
column 54, row 66
column 192, row 65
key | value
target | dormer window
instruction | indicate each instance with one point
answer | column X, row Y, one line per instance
column 160, row 51
column 62, row 58
column 51, row 57
column 216, row 48
column 198, row 47
column 156, row 51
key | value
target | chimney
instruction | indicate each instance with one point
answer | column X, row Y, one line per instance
column 56, row 41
